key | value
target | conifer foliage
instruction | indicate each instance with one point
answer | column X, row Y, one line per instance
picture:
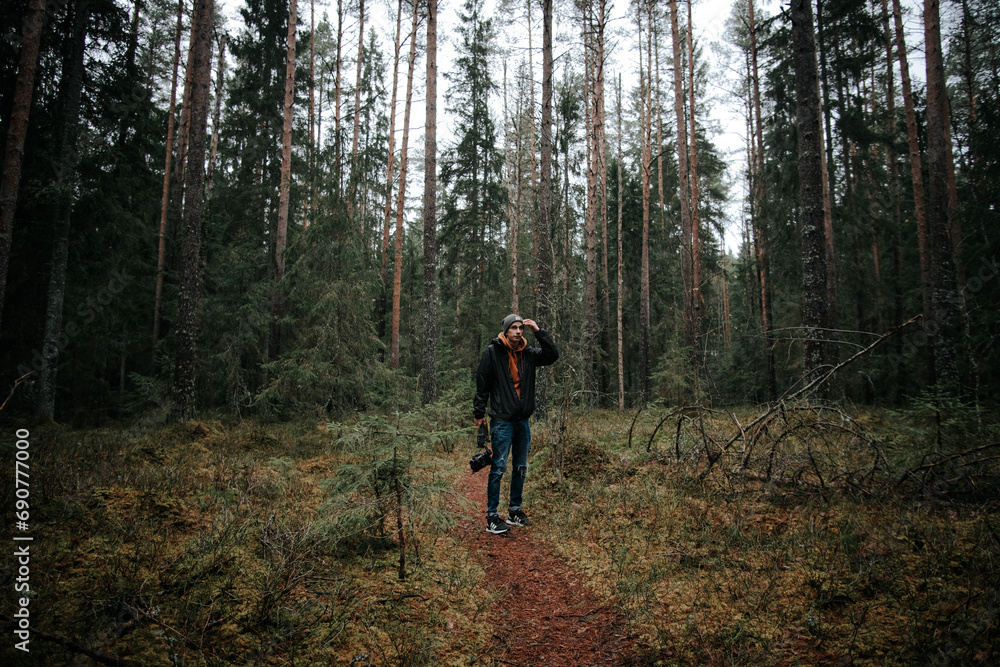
column 253, row 227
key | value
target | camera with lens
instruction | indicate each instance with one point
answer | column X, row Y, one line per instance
column 482, row 459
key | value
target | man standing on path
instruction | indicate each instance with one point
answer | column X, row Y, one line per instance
column 506, row 378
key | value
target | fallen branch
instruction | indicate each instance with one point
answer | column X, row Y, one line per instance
column 947, row 459
column 821, row 379
column 804, row 391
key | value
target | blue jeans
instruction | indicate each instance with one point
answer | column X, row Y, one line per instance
column 510, row 439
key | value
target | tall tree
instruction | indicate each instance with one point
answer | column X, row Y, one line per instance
column 353, row 177
column 810, row 158
column 697, row 298
column 70, row 92
column 621, row 261
column 691, row 324
column 397, row 276
column 590, row 123
column 757, row 220
column 543, row 311
column 389, row 177
column 947, row 328
column 161, row 256
column 220, row 83
column 337, row 88
column 645, row 134
column 602, row 171
column 17, row 131
column 916, row 173
column 428, row 381
column 199, row 74
column 285, row 189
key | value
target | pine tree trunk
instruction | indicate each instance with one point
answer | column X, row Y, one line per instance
column 602, row 173
column 946, row 333
column 17, row 132
column 590, row 127
column 338, row 143
column 161, row 256
column 892, row 167
column 390, row 167
column 71, row 90
column 175, row 203
column 311, row 204
column 810, row 154
column 199, row 74
column 397, row 276
column 220, row 83
column 428, row 380
column 284, row 194
column 697, row 301
column 532, row 133
column 353, row 178
column 543, row 307
column 761, row 250
column 645, row 124
column 916, row 177
column 687, row 226
column 621, row 262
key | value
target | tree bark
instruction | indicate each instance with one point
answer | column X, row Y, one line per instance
column 161, row 256
column 543, row 307
column 397, row 276
column 429, row 376
column 945, row 336
column 311, row 205
column 71, row 90
column 189, row 290
column 220, row 83
column 758, row 192
column 17, row 131
column 810, row 158
column 284, row 194
column 389, row 173
column 590, row 127
column 916, row 177
column 602, row 174
column 697, row 300
column 687, row 226
column 645, row 123
column 621, row 262
column 532, row 134
column 338, row 79
column 353, row 178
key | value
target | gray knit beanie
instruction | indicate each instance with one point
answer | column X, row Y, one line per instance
column 509, row 320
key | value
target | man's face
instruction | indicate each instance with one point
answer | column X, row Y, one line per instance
column 515, row 332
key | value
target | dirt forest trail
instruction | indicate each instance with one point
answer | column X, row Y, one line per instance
column 544, row 614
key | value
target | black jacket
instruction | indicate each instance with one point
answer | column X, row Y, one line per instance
column 493, row 380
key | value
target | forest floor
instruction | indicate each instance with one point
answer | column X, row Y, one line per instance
column 544, row 614
column 824, row 538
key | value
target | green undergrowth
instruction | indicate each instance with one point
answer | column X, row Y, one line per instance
column 206, row 543
column 820, row 538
